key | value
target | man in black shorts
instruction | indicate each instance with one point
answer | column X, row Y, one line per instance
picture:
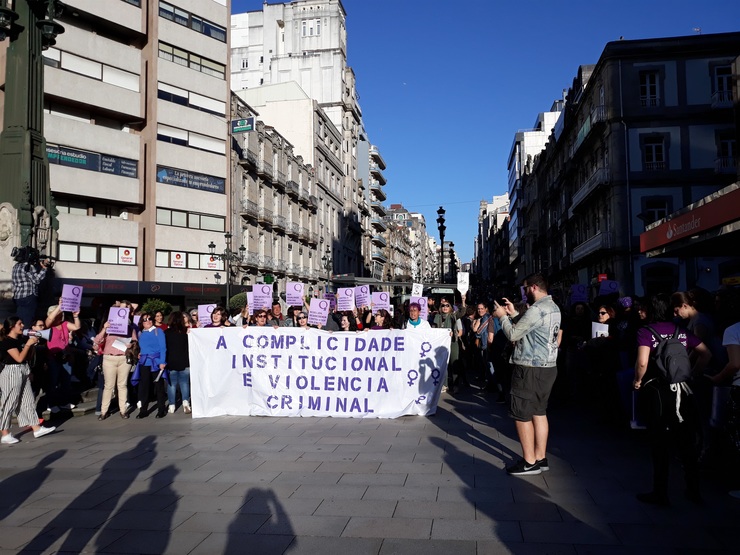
column 535, row 338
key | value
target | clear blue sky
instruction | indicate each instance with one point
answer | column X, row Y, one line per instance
column 445, row 84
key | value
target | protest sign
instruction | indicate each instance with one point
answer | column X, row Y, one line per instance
column 204, row 314
column 309, row 372
column 346, row 298
column 262, row 296
column 608, row 287
column 71, row 298
column 599, row 330
column 578, row 293
column 362, row 295
column 417, row 290
column 294, row 294
column 118, row 320
column 381, row 299
column 318, row 312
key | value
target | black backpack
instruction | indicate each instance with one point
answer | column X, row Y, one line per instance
column 670, row 358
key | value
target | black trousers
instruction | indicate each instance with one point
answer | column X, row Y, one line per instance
column 146, row 385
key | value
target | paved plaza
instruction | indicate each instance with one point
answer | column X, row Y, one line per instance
column 328, row 485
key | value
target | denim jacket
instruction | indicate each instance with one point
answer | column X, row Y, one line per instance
column 535, row 335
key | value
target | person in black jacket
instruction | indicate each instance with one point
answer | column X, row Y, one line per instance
column 178, row 359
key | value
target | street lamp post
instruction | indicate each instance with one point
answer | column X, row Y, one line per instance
column 229, row 257
column 327, row 262
column 452, row 262
column 441, row 227
column 28, row 215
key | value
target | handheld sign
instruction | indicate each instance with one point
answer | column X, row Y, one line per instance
column 607, row 287
column 250, row 302
column 578, row 293
column 294, row 294
column 204, row 314
column 332, row 298
column 71, row 298
column 381, row 299
column 599, row 330
column 362, row 295
column 262, row 294
column 463, row 282
column 417, row 290
column 318, row 312
column 118, row 319
column 346, row 298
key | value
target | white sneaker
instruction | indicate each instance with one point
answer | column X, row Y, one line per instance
column 171, row 409
column 68, row 406
column 9, row 439
column 186, row 407
column 43, row 431
column 138, row 404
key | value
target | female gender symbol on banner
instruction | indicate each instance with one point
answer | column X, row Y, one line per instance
column 420, row 399
column 413, row 375
column 425, row 348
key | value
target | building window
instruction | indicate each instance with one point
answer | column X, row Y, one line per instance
column 654, row 153
column 245, row 63
column 723, row 82
column 178, row 218
column 197, row 24
column 187, row 59
column 655, row 208
column 649, row 88
column 311, row 27
column 95, row 254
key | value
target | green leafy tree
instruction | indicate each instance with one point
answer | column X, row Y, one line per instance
column 155, row 305
column 237, row 302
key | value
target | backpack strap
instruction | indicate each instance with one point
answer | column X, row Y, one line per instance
column 675, row 333
column 655, row 333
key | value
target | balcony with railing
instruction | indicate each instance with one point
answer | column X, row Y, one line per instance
column 725, row 164
column 376, row 157
column 602, row 240
column 377, row 190
column 313, row 203
column 249, row 158
column 264, row 170
column 278, row 222
column 379, row 256
column 597, row 115
column 291, row 187
column 293, row 229
column 280, row 266
column 599, row 177
column 249, row 209
column 378, row 208
column 313, row 238
column 722, row 99
column 251, row 260
column 264, row 216
column 377, row 173
column 266, row 263
column 293, row 269
column 379, row 224
column 654, row 166
column 303, row 234
column 379, row 241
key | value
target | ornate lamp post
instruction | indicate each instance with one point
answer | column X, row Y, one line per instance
column 28, row 214
column 442, row 228
column 453, row 265
column 327, row 263
column 230, row 257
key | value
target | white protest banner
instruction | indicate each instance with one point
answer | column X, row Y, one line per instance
column 262, row 296
column 417, row 290
column 204, row 314
column 294, row 293
column 607, row 287
column 381, row 299
column 308, row 372
column 318, row 312
column 362, row 295
column 423, row 307
column 346, row 298
column 118, row 320
column 463, row 282
column 578, row 293
column 71, row 298
column 599, row 330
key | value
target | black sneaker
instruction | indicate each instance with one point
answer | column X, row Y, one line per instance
column 523, row 468
column 543, row 464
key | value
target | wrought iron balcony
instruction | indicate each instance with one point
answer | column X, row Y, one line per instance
column 313, row 202
column 293, row 229
column 249, row 209
column 378, row 208
column 264, row 216
column 722, row 99
column 379, row 240
column 278, row 222
column 379, row 224
column 599, row 177
column 264, row 170
column 379, row 256
column 291, row 187
column 725, row 164
column 600, row 241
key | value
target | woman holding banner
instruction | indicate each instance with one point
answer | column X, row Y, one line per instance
column 219, row 318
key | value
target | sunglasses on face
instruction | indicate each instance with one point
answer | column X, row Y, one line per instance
column 445, row 306
column 602, row 313
column 261, row 315
column 302, row 317
column 146, row 319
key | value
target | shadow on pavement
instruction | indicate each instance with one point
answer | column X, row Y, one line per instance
column 17, row 488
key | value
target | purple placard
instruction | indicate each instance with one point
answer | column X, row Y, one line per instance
column 608, row 287
column 262, row 295
column 204, row 314
column 318, row 312
column 381, row 299
column 118, row 320
column 524, row 293
column 578, row 293
column 71, row 298
column 423, row 306
column 137, row 317
column 346, row 298
column 332, row 298
column 362, row 295
column 294, row 293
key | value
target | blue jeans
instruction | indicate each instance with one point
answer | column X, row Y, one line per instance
column 181, row 377
column 25, row 309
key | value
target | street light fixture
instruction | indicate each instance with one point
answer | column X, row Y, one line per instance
column 442, row 228
column 452, row 265
column 230, row 257
column 327, row 262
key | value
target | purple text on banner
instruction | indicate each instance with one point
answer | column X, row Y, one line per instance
column 318, row 312
column 118, row 320
column 71, row 298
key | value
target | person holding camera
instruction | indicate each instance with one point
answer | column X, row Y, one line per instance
column 17, row 397
column 28, row 273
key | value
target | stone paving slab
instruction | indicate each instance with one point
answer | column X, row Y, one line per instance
column 321, row 485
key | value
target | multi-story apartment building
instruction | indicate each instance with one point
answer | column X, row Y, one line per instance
column 423, row 265
column 647, row 130
column 305, row 43
column 136, row 98
column 491, row 216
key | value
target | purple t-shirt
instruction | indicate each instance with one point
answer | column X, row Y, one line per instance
column 645, row 338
